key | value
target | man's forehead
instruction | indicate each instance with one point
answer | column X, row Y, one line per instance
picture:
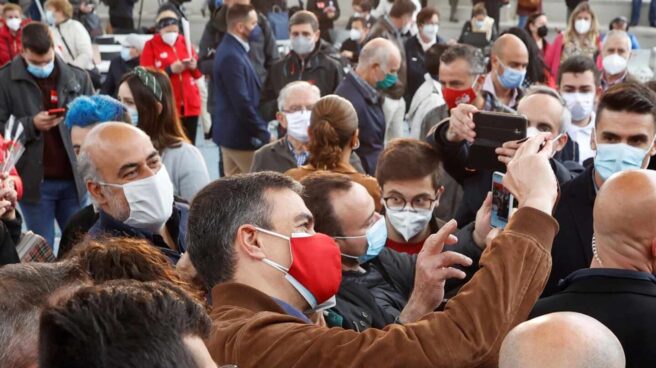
column 301, row 96
column 625, row 123
column 584, row 78
column 457, row 68
column 285, row 204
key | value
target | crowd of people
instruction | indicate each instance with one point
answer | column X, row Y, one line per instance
column 349, row 226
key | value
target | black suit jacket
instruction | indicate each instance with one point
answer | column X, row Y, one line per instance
column 572, row 247
column 623, row 300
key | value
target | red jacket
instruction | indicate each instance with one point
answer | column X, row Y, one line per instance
column 158, row 54
column 10, row 45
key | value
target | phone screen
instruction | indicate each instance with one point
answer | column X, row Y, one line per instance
column 502, row 202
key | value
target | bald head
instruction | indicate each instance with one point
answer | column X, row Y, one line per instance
column 111, row 137
column 559, row 340
column 509, row 43
column 379, row 51
column 625, row 230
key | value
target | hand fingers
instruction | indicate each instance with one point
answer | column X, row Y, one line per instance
column 504, row 159
column 487, row 203
column 449, row 258
column 451, row 273
column 491, row 235
column 512, row 144
column 548, row 149
column 435, row 243
column 451, row 240
column 532, row 145
column 505, row 151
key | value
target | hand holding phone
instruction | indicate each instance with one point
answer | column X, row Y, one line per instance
column 502, row 202
column 59, row 112
column 43, row 121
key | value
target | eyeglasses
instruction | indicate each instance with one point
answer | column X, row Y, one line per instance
column 397, row 203
column 298, row 108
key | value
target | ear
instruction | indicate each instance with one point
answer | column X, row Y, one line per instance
column 480, row 80
column 593, row 141
column 598, row 92
column 652, row 151
column 159, row 108
column 96, row 192
column 561, row 143
column 247, row 239
column 317, row 36
column 355, row 139
column 280, row 116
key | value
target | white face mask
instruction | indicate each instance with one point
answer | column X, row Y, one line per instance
column 14, row 24
column 582, row 26
column 614, row 64
column 50, row 18
column 355, row 34
column 579, row 104
column 150, row 200
column 170, row 37
column 532, row 132
column 409, row 222
column 430, row 31
column 298, row 124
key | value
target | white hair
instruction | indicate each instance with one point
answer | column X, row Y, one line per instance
column 617, row 33
column 376, row 52
column 293, row 86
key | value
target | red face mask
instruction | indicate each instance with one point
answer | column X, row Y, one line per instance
column 316, row 268
column 454, row 97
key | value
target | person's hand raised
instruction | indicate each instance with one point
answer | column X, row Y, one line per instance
column 461, row 124
column 530, row 177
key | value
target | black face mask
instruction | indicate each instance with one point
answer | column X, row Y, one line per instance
column 543, row 31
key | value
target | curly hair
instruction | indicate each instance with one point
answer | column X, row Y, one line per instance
column 332, row 125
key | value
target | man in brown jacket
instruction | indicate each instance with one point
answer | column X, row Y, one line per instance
column 262, row 278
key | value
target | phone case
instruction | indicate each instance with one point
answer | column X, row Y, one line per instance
column 502, row 203
column 493, row 129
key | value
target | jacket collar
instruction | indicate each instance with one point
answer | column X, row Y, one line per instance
column 243, row 296
column 281, row 148
column 609, row 280
column 363, row 88
column 67, row 79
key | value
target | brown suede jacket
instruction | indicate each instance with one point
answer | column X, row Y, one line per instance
column 250, row 329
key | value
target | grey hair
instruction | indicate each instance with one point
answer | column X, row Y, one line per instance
column 565, row 115
column 375, row 54
column 296, row 85
column 26, row 288
column 471, row 54
column 617, row 33
column 87, row 168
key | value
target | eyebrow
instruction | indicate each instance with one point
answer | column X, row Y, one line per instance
column 302, row 217
column 132, row 165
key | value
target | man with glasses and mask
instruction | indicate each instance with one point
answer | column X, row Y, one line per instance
column 623, row 139
column 295, row 103
column 30, row 86
column 131, row 188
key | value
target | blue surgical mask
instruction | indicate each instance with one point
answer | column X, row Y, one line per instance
column 134, row 115
column 479, row 24
column 256, row 34
column 41, row 72
column 387, row 83
column 125, row 54
column 50, row 18
column 376, row 240
column 302, row 45
column 511, row 78
column 613, row 158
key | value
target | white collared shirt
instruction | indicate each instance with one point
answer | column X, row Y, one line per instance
column 583, row 136
column 242, row 42
column 425, row 46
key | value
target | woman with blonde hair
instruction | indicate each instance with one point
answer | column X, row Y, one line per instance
column 333, row 136
column 582, row 37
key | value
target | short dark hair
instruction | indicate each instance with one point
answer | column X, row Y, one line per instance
column 218, row 211
column 651, row 85
column 318, row 189
column 36, row 38
column 304, row 17
column 578, row 64
column 360, row 20
column 408, row 159
column 26, row 288
column 401, row 8
column 365, row 5
column 432, row 59
column 122, row 323
column 238, row 13
column 630, row 97
column 425, row 14
column 474, row 56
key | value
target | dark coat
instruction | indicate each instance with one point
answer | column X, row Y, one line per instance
column 120, row 8
column 371, row 120
column 20, row 96
column 476, row 184
column 623, row 300
column 117, row 69
column 237, row 124
column 76, row 229
column 317, row 6
column 321, row 68
column 176, row 225
column 572, row 247
column 10, row 233
column 415, row 61
column 277, row 157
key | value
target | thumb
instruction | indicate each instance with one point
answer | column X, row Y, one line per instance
column 548, row 149
column 435, row 243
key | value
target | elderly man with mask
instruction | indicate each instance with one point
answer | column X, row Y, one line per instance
column 126, row 179
column 265, row 265
column 379, row 59
column 621, row 275
column 616, row 51
column 625, row 130
column 295, row 103
column 310, row 59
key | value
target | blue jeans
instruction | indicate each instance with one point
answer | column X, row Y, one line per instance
column 635, row 12
column 522, row 21
column 58, row 202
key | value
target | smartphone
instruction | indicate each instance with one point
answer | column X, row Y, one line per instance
column 502, row 202
column 493, row 129
column 57, row 112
